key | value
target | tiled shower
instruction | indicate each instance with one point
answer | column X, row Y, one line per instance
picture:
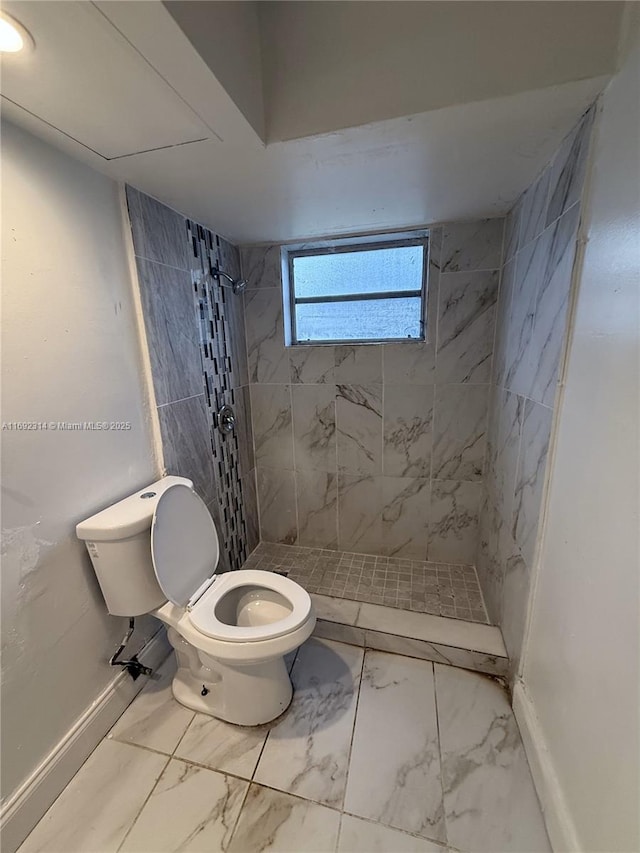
column 383, row 473
column 378, row 449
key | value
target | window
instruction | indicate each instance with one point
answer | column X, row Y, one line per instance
column 371, row 289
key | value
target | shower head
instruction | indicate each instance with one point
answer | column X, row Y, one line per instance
column 237, row 284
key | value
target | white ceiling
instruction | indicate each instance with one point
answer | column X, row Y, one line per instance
column 85, row 79
column 130, row 80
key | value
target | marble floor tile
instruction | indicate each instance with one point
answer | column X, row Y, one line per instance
column 307, row 751
column 99, row 805
column 222, row 746
column 489, row 799
column 154, row 719
column 190, row 809
column 394, row 774
column 279, row 823
column 363, row 836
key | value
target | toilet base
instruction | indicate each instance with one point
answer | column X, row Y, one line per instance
column 245, row 695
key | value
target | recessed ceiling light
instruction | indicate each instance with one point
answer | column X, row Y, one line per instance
column 13, row 36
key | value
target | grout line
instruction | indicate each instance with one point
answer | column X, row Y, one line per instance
column 435, row 701
column 407, row 832
column 353, row 728
column 339, row 835
column 181, row 400
column 240, row 811
column 184, row 734
column 148, row 797
column 162, row 264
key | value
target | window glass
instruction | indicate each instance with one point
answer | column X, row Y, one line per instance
column 358, row 292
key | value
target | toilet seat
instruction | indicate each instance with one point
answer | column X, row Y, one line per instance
column 204, row 618
column 185, row 552
column 184, row 544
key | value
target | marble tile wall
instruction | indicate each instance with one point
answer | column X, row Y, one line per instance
column 196, row 340
column 532, row 324
column 378, row 449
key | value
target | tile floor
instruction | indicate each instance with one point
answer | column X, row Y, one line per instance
column 437, row 588
column 377, row 752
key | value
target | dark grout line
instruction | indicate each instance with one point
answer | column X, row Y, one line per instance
column 353, row 728
column 142, row 807
column 435, row 702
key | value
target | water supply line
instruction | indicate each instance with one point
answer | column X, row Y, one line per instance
column 133, row 665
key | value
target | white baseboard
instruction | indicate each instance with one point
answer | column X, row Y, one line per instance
column 557, row 817
column 24, row 808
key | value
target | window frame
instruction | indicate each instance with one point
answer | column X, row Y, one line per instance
column 356, row 244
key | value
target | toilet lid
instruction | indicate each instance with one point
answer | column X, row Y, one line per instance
column 184, row 543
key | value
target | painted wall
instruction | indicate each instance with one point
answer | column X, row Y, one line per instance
column 329, row 66
column 379, row 448
column 195, row 338
column 533, row 307
column 581, row 656
column 69, row 353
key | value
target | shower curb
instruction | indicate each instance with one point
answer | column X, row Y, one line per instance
column 419, row 635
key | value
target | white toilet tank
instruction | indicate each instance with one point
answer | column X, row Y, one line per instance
column 118, row 540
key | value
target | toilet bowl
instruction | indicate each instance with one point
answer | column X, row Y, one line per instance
column 230, row 631
column 230, row 645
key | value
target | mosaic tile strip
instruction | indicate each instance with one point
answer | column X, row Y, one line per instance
column 217, row 365
column 425, row 587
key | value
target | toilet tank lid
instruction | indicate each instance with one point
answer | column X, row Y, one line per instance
column 129, row 516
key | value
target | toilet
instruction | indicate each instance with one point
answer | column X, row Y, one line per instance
column 156, row 552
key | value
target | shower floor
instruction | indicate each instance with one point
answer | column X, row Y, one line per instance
column 440, row 589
